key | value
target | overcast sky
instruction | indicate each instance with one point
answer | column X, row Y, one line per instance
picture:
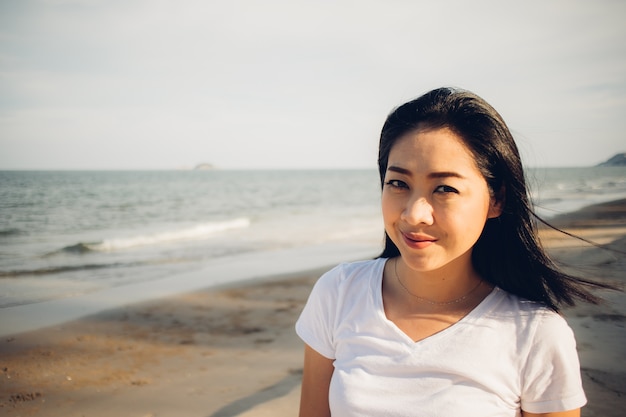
column 155, row 84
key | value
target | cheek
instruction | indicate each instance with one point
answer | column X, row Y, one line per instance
column 389, row 208
column 468, row 221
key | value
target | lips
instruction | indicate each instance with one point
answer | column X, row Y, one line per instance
column 418, row 240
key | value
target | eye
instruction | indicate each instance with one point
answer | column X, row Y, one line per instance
column 397, row 184
column 446, row 189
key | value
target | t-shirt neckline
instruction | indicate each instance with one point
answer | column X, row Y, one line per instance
column 377, row 291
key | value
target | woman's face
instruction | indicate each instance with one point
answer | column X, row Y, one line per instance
column 435, row 202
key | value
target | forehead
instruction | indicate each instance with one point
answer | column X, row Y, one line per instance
column 432, row 150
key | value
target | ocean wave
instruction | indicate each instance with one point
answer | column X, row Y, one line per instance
column 198, row 232
column 61, row 269
column 79, row 248
column 10, row 232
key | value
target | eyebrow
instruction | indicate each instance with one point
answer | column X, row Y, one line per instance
column 442, row 174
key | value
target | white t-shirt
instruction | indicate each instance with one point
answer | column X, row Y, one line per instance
column 507, row 354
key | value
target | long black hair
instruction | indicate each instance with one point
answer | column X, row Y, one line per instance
column 508, row 253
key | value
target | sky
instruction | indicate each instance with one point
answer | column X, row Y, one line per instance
column 284, row 84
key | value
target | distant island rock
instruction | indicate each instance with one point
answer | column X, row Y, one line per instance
column 618, row 160
column 203, row 167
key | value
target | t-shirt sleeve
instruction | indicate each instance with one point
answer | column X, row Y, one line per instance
column 316, row 322
column 551, row 379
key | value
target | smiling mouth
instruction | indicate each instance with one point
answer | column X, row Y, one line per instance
column 418, row 242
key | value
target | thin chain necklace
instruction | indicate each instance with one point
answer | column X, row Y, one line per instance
column 437, row 303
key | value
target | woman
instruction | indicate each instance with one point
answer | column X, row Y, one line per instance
column 459, row 315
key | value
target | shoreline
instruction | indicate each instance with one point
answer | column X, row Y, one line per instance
column 230, row 350
column 222, row 272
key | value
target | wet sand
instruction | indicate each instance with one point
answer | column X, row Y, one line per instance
column 232, row 351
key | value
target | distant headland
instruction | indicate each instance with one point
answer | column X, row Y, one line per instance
column 617, row 160
column 203, row 167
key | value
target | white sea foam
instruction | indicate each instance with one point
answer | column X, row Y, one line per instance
column 198, row 232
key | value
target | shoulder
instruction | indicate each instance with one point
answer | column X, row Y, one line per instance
column 536, row 327
column 509, row 304
column 531, row 320
column 347, row 284
column 340, row 291
column 350, row 273
column 359, row 267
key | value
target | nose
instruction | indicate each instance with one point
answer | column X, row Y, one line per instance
column 418, row 211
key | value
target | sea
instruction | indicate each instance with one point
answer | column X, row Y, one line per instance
column 64, row 234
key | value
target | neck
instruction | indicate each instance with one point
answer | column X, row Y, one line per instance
column 449, row 285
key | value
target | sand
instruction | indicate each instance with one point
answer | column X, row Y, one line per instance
column 232, row 351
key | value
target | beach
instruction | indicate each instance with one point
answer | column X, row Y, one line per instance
column 231, row 350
